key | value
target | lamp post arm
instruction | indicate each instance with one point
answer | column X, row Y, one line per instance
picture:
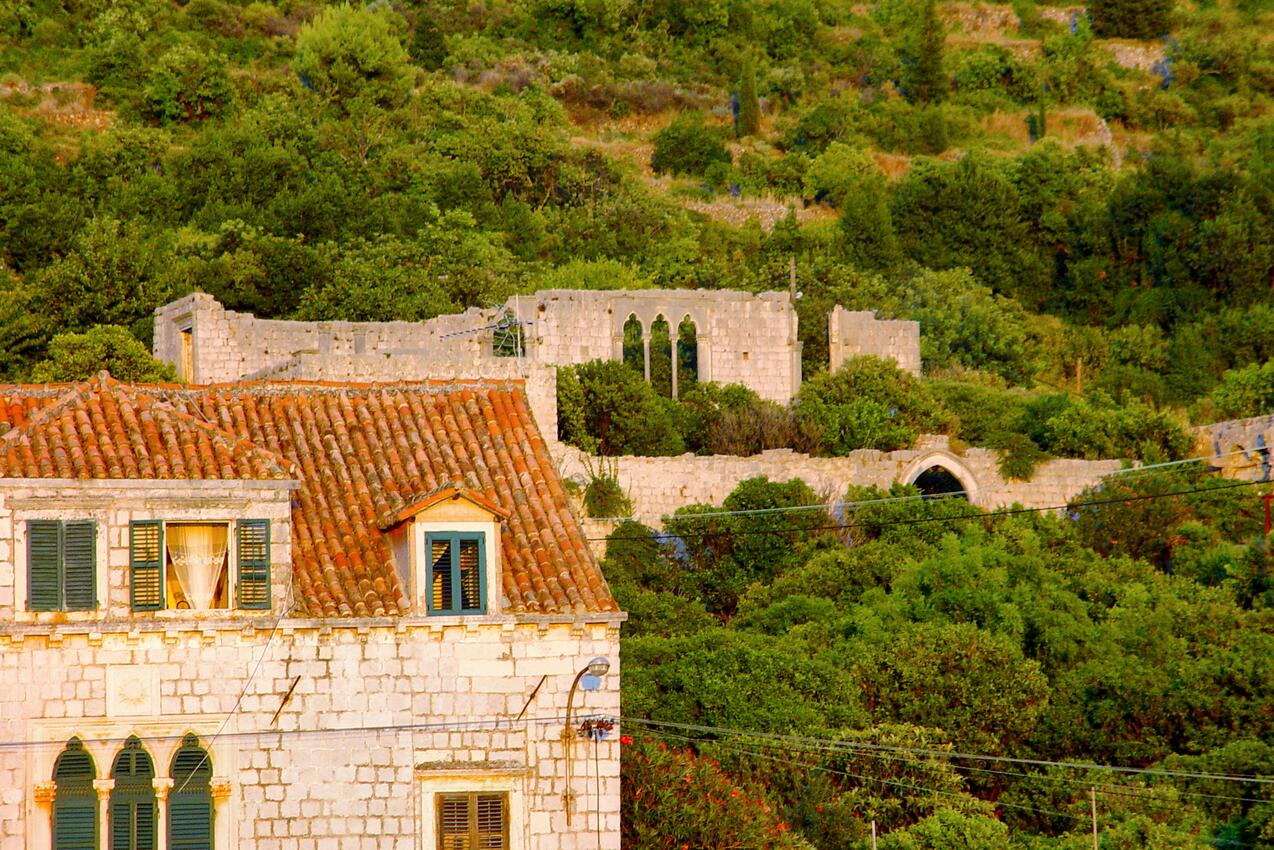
column 568, row 731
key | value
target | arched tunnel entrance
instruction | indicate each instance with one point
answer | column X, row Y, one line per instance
column 937, row 480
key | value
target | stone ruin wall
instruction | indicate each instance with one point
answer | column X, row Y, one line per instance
column 1240, row 448
column 854, row 333
column 741, row 338
column 658, row 486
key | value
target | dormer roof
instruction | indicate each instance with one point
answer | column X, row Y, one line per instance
column 447, row 493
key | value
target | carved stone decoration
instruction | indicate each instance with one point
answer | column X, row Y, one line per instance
column 220, row 789
column 44, row 792
column 132, row 691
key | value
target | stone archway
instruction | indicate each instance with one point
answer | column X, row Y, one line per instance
column 941, row 473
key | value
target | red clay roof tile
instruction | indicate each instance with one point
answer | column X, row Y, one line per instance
column 359, row 451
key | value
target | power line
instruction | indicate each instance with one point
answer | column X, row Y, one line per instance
column 951, row 754
column 1132, row 471
column 1002, row 512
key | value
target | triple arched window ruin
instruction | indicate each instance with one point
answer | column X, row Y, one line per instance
column 133, row 809
column 649, row 350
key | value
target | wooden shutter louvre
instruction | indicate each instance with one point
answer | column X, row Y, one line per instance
column 146, row 565
column 492, row 822
column 44, row 565
column 133, row 803
column 253, row 555
column 190, row 814
column 79, row 565
column 470, row 572
column 441, row 597
column 75, row 800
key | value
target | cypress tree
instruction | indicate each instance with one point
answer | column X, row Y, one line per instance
column 749, row 123
column 929, row 83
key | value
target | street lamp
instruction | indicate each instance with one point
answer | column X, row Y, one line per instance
column 597, row 667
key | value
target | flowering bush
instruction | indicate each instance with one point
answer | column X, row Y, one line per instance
column 676, row 800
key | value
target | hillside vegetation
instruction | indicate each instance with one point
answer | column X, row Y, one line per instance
column 1076, row 204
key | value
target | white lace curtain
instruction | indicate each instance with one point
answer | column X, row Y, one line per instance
column 198, row 555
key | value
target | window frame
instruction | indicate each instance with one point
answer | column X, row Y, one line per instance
column 471, row 816
column 455, row 538
column 259, row 570
column 62, row 576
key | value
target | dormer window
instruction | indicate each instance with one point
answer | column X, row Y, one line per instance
column 457, row 573
column 446, row 546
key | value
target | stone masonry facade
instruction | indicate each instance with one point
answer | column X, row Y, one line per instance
column 384, row 714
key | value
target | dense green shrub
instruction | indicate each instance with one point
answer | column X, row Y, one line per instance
column 349, row 55
column 608, row 408
column 867, row 403
column 1248, row 391
column 75, row 357
column 188, row 84
column 733, row 420
column 688, row 146
column 1130, row 18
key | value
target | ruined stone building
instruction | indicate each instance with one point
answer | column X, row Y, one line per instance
column 727, row 337
column 297, row 615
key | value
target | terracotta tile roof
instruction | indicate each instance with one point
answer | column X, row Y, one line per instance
column 415, row 506
column 362, row 452
column 105, row 429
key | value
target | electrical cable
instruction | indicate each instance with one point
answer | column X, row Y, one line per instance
column 1003, row 512
column 1132, row 471
column 853, row 745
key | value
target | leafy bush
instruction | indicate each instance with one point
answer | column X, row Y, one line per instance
column 733, row 420
column 75, row 357
column 348, row 55
column 1130, row 18
column 675, row 799
column 688, row 146
column 603, row 497
column 867, row 403
column 188, row 84
column 608, row 408
column 1244, row 392
column 1097, row 427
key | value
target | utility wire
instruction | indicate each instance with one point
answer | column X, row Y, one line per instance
column 1070, row 506
column 950, row 754
column 1132, row 471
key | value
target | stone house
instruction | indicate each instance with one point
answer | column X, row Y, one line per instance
column 297, row 615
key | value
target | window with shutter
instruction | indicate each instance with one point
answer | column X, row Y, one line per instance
column 473, row 821
column 190, row 814
column 61, row 565
column 457, row 573
column 74, row 800
column 253, row 555
column 132, row 804
column 146, row 565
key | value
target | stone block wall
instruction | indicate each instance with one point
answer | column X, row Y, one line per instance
column 741, row 338
column 113, row 505
column 854, row 333
column 660, row 485
column 384, row 713
column 1240, row 448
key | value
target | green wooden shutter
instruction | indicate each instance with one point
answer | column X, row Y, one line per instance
column 190, row 803
column 79, row 565
column 254, row 563
column 492, row 822
column 133, row 803
column 470, row 572
column 441, row 598
column 146, row 565
column 44, row 565
column 75, row 800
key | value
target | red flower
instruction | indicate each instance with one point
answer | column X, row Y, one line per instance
column 663, row 747
column 820, row 809
column 625, row 739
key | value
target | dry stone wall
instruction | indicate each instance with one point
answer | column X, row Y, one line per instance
column 658, row 486
column 1240, row 448
column 405, row 706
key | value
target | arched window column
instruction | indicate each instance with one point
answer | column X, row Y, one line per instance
column 162, row 788
column 103, row 787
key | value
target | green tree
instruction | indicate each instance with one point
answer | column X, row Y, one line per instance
column 749, row 120
column 1244, row 392
column 867, row 403
column 688, row 146
column 929, row 81
column 349, row 54
column 607, row 407
column 75, row 357
column 1130, row 18
column 188, row 84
